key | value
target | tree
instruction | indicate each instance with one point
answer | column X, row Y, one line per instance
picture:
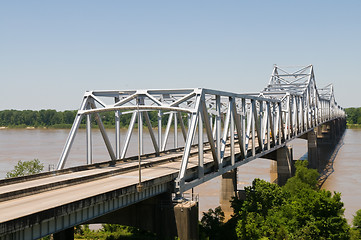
column 296, row 211
column 357, row 220
column 26, row 168
column 212, row 222
column 356, row 229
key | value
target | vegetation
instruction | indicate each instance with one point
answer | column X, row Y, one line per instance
column 55, row 119
column 356, row 230
column 353, row 117
column 297, row 210
column 112, row 232
column 26, row 168
column 64, row 119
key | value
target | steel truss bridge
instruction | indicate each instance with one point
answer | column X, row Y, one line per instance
column 219, row 131
column 287, row 108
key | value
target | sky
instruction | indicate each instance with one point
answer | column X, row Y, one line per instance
column 51, row 52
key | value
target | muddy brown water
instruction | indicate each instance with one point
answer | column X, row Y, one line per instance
column 46, row 145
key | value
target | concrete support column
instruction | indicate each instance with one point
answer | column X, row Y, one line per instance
column 312, row 149
column 338, row 128
column 228, row 190
column 319, row 130
column 67, row 234
column 284, row 164
column 273, row 171
column 186, row 217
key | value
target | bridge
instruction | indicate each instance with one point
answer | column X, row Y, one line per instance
column 214, row 132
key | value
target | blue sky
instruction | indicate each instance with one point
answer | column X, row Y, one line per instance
column 52, row 52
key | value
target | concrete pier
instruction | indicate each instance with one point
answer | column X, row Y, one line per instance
column 285, row 166
column 228, row 190
column 312, row 149
column 186, row 217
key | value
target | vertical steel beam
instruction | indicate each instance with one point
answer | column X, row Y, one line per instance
column 268, row 123
column 89, row 146
column 281, row 130
column 218, row 129
column 160, row 128
column 232, row 116
column 249, row 124
column 175, row 130
column 254, row 112
column 140, row 132
column 200, row 147
column 117, row 134
column 261, row 132
column 243, row 127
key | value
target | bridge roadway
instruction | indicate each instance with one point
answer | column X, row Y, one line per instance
column 31, row 196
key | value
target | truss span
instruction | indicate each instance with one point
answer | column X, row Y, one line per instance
column 235, row 127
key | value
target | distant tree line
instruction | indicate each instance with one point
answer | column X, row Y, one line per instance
column 353, row 115
column 64, row 119
column 42, row 118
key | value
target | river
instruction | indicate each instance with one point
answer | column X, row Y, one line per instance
column 47, row 144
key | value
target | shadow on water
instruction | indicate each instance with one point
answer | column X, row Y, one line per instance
column 328, row 169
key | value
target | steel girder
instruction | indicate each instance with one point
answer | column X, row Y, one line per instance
column 234, row 128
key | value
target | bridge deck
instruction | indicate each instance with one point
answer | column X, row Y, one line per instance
column 119, row 176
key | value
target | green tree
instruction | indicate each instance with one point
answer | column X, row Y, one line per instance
column 357, row 220
column 356, row 229
column 26, row 168
column 296, row 211
column 212, row 222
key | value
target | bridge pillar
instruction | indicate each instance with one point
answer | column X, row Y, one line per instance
column 273, row 171
column 186, row 217
column 285, row 166
column 228, row 190
column 312, row 149
column 67, row 234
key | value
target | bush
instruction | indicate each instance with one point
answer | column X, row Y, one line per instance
column 26, row 168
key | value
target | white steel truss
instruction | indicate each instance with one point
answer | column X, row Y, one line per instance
column 235, row 128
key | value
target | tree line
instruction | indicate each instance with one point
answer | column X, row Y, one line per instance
column 353, row 115
column 64, row 119
column 42, row 118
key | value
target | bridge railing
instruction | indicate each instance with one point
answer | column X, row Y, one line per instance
column 233, row 128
